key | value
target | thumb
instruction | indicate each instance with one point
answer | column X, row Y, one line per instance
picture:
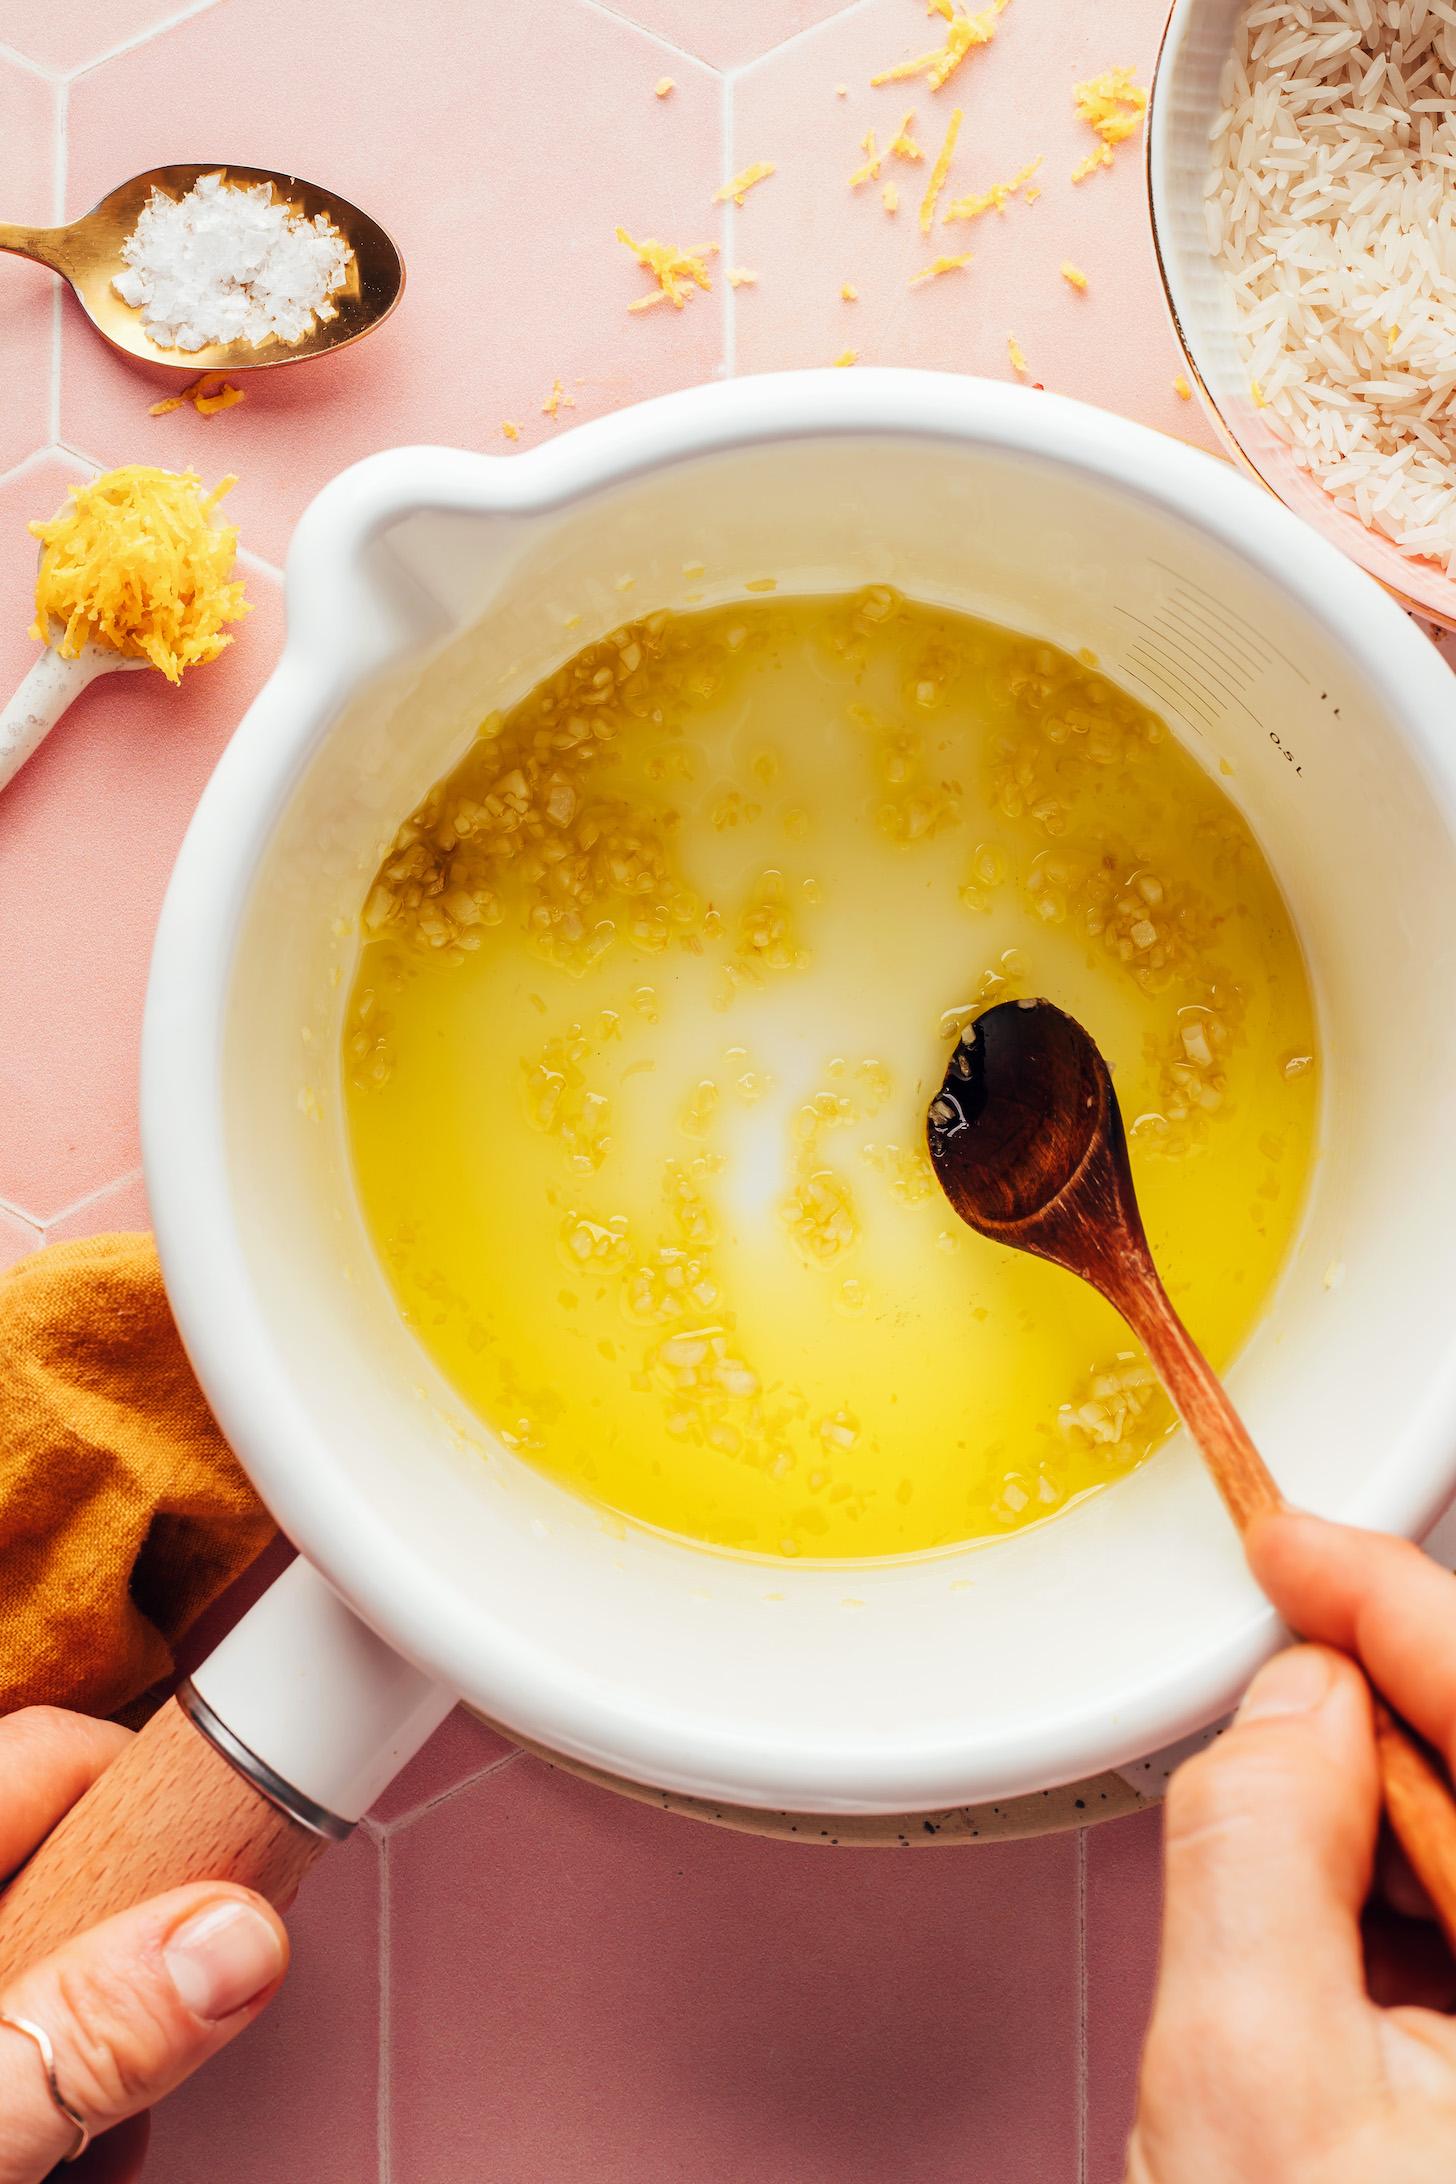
column 1261, row 2028
column 131, row 2009
column 1269, row 1842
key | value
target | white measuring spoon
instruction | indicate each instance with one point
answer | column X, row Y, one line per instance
column 50, row 687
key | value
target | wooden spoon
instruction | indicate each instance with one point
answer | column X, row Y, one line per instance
column 88, row 254
column 1027, row 1140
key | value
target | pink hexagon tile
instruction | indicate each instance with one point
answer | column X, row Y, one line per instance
column 17, row 1238
column 1124, row 1884
column 120, row 1206
column 27, row 310
column 620, row 1996
column 297, row 2095
column 73, row 36
column 501, row 145
column 92, row 825
column 461, row 1750
column 729, row 36
column 807, row 235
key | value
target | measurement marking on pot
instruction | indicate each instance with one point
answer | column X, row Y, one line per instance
column 1191, row 692
column 1182, row 660
column 1208, row 621
column 1193, row 596
column 1163, row 695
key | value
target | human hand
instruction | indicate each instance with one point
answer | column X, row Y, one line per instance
column 133, row 2006
column 1297, row 2034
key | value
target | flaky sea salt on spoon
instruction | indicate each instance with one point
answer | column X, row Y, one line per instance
column 230, row 263
column 291, row 284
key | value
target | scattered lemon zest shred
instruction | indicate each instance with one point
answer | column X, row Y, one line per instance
column 849, row 293
column 1113, row 105
column 1258, row 393
column 847, row 356
column 937, row 266
column 742, row 183
column 870, row 171
column 663, row 87
column 214, row 391
column 890, row 198
column 1182, row 389
column 135, row 562
column 740, row 277
column 996, row 197
column 963, row 32
column 1074, row 276
column 902, row 144
column 671, row 268
column 938, row 173
column 942, row 8
column 1017, row 355
column 557, row 400
column 511, row 431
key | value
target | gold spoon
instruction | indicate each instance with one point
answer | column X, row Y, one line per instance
column 88, row 254
column 1027, row 1142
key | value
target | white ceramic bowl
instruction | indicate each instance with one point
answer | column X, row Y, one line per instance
column 1184, row 104
column 426, row 587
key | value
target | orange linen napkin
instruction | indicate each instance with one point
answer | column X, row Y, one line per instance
column 123, row 1512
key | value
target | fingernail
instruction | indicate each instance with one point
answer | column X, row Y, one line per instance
column 222, row 1957
column 1293, row 1683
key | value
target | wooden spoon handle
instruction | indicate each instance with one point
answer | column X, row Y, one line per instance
column 1238, row 1470
column 1421, row 1812
column 1418, row 1799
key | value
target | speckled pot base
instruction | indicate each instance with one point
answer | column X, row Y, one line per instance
column 1045, row 1812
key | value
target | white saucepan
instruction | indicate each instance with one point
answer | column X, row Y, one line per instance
column 426, row 587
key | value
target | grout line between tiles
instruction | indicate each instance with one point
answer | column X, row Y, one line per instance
column 78, row 454
column 250, row 560
column 1081, row 2062
column 385, row 2089
column 404, row 1820
column 31, row 68
column 140, row 38
column 90, row 1198
column 810, row 30
column 26, row 1220
column 681, row 53
column 27, row 462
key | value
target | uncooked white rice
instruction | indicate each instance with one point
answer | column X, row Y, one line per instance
column 1332, row 205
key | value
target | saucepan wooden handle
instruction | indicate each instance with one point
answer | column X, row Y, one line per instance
column 170, row 1810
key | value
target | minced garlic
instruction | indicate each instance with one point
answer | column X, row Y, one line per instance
column 135, row 561
column 676, row 1242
